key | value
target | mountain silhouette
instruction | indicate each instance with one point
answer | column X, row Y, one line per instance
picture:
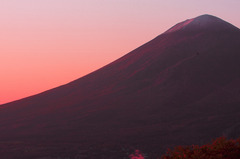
column 183, row 87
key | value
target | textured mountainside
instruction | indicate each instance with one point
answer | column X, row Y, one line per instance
column 183, row 87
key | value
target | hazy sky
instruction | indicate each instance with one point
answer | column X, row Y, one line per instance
column 47, row 43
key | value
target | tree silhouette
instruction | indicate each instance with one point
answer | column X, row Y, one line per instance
column 221, row 148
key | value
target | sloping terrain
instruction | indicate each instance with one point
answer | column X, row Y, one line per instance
column 183, row 87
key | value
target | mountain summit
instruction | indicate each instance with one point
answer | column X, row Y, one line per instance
column 181, row 88
column 203, row 22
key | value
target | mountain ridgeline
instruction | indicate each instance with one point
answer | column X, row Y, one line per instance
column 181, row 88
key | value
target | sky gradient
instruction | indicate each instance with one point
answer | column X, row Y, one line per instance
column 47, row 43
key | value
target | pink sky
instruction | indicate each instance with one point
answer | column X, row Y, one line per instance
column 47, row 43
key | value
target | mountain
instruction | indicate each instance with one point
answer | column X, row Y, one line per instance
column 183, row 87
column 204, row 23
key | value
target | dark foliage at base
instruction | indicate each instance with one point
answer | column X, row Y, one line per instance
column 221, row 148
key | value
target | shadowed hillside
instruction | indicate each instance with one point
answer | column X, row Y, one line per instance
column 183, row 87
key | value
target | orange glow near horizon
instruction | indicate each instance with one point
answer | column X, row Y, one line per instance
column 47, row 43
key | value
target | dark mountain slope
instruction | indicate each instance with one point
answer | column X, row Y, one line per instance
column 180, row 88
